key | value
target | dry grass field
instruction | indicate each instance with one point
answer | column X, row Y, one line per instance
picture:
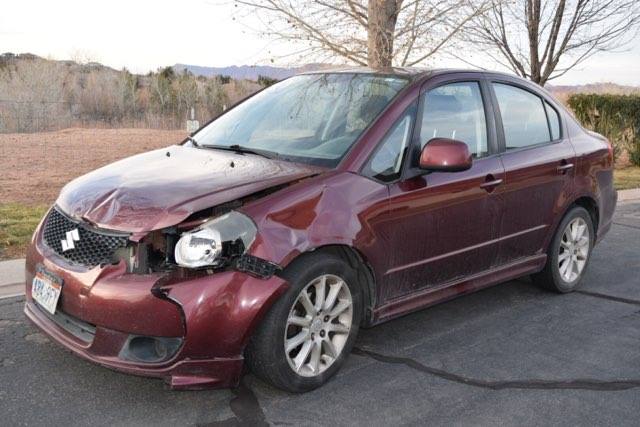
column 35, row 167
column 627, row 178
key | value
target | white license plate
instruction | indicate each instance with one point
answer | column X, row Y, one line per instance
column 45, row 290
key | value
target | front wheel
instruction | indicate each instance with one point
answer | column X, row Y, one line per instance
column 569, row 252
column 310, row 330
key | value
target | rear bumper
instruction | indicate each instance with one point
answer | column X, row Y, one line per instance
column 608, row 205
column 213, row 315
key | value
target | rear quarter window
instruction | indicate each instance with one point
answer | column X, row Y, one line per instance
column 554, row 121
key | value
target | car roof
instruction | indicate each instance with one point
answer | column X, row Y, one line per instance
column 411, row 72
column 401, row 71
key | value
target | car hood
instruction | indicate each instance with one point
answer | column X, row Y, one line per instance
column 161, row 188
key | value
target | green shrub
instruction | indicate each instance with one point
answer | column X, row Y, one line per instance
column 615, row 116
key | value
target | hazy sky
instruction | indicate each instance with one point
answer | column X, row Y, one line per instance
column 143, row 35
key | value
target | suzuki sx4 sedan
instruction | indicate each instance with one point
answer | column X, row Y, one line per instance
column 325, row 203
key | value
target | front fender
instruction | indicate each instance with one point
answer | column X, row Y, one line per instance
column 334, row 209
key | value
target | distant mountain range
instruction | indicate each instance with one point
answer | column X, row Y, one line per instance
column 252, row 72
column 248, row 72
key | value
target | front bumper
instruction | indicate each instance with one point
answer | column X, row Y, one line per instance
column 181, row 374
column 213, row 314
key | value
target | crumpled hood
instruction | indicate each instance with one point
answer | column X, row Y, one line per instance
column 161, row 188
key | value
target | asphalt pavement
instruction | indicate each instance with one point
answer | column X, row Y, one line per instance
column 509, row 355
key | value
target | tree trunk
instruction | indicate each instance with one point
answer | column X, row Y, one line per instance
column 532, row 10
column 382, row 17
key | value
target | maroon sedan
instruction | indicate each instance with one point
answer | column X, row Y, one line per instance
column 324, row 203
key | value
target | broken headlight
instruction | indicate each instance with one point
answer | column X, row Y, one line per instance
column 215, row 242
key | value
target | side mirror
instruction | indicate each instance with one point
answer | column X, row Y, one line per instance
column 446, row 155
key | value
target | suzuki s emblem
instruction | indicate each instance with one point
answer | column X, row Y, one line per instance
column 68, row 243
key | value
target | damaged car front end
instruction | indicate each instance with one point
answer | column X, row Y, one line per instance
column 157, row 301
column 165, row 264
column 129, row 305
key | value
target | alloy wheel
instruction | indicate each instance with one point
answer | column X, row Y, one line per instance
column 318, row 325
column 574, row 250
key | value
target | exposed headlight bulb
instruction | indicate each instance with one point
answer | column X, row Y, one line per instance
column 204, row 246
column 199, row 249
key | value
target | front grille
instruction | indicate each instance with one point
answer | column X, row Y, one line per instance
column 93, row 247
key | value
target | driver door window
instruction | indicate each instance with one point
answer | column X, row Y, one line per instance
column 455, row 111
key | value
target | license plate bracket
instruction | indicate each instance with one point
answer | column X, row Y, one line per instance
column 46, row 288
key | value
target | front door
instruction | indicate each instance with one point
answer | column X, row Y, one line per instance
column 441, row 225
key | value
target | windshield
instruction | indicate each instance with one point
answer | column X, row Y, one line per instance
column 311, row 118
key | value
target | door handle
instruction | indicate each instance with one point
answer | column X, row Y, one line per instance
column 490, row 183
column 563, row 168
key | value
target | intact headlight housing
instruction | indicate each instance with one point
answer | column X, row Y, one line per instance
column 215, row 241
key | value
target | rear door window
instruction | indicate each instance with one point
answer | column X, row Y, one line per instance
column 523, row 117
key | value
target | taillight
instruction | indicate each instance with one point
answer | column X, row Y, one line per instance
column 610, row 147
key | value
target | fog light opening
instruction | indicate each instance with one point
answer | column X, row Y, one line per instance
column 150, row 349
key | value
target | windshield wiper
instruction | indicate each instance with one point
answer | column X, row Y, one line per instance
column 237, row 148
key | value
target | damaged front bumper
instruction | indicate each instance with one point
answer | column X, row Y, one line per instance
column 189, row 329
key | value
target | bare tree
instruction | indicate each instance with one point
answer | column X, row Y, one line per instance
column 31, row 94
column 543, row 39
column 186, row 92
column 129, row 84
column 377, row 33
column 214, row 96
column 102, row 100
column 162, row 94
column 83, row 56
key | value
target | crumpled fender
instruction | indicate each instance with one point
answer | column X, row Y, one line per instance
column 336, row 208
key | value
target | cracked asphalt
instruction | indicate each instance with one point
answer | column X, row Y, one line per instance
column 511, row 354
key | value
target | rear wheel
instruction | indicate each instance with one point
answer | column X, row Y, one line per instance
column 569, row 252
column 310, row 330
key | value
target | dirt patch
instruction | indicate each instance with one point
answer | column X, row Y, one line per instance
column 36, row 166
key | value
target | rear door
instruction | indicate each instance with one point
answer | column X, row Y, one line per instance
column 441, row 225
column 539, row 167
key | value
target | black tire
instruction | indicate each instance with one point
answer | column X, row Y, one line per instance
column 265, row 354
column 550, row 277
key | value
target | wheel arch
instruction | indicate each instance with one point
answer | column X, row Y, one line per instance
column 591, row 206
column 366, row 277
column 548, row 276
column 587, row 202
